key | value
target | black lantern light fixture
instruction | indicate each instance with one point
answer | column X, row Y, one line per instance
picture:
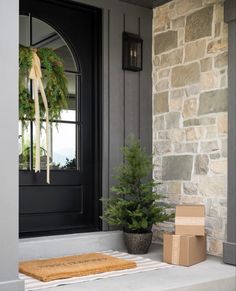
column 132, row 52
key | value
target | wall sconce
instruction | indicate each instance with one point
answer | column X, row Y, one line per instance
column 132, row 52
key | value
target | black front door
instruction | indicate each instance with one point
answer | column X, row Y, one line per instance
column 70, row 203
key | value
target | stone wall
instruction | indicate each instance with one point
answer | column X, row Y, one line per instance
column 190, row 110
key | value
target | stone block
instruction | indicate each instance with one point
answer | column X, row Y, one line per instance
column 162, row 85
column 185, row 75
column 225, row 32
column 221, row 60
column 215, row 247
column 177, row 93
column 178, row 22
column 174, row 187
column 157, row 175
column 159, row 123
column 161, row 18
column 162, row 147
column 190, row 188
column 214, row 186
column 163, row 73
column 161, row 103
column 195, row 50
column 172, row 10
column 219, row 10
column 209, row 146
column 213, row 223
column 201, row 165
column 217, row 29
column 223, row 202
column 207, row 120
column 177, row 167
column 224, row 148
column 206, row 64
column 214, row 156
column 217, row 45
column 177, row 135
column 185, row 6
column 191, row 122
column 200, row 121
column 199, row 24
column 156, row 61
column 222, row 123
column 186, row 147
column 196, row 133
column 210, row 80
column 161, row 228
column 157, row 163
column 172, row 58
column 213, row 101
column 192, row 90
column 219, row 167
column 165, row 41
column 190, row 108
column 164, row 135
column 172, row 120
column 224, row 81
column 180, row 36
column 211, row 132
column 176, row 104
column 191, row 199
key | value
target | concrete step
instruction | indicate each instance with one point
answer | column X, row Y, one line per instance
column 210, row 275
column 62, row 245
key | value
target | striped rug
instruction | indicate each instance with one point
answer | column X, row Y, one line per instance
column 143, row 265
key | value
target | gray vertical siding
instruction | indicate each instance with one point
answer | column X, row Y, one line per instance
column 145, row 84
column 131, row 85
column 127, row 97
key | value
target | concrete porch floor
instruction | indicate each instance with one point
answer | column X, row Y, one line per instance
column 211, row 275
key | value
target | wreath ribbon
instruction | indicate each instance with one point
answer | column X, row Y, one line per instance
column 36, row 76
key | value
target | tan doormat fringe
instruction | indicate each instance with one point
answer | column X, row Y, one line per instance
column 74, row 266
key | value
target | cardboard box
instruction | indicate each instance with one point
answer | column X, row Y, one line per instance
column 190, row 219
column 184, row 250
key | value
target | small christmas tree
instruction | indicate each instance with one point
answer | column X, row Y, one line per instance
column 135, row 206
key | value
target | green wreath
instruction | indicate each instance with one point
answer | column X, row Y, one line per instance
column 53, row 76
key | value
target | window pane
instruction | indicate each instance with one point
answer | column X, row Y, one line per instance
column 24, row 145
column 41, row 30
column 24, row 30
column 63, row 146
column 45, row 36
column 69, row 114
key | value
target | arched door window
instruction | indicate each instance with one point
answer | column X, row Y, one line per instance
column 65, row 133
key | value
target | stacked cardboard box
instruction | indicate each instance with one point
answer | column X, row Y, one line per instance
column 187, row 246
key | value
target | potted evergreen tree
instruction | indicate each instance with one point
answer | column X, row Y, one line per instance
column 136, row 206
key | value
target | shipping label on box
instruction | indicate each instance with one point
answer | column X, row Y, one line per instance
column 184, row 250
column 190, row 220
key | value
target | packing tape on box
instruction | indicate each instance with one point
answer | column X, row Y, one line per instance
column 183, row 220
column 175, row 249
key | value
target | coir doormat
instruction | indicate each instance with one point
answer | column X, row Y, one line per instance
column 74, row 266
column 143, row 265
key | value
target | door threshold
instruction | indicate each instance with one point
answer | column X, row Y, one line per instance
column 71, row 244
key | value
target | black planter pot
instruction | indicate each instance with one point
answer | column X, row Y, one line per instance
column 138, row 243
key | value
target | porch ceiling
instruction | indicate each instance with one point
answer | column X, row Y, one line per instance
column 147, row 3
